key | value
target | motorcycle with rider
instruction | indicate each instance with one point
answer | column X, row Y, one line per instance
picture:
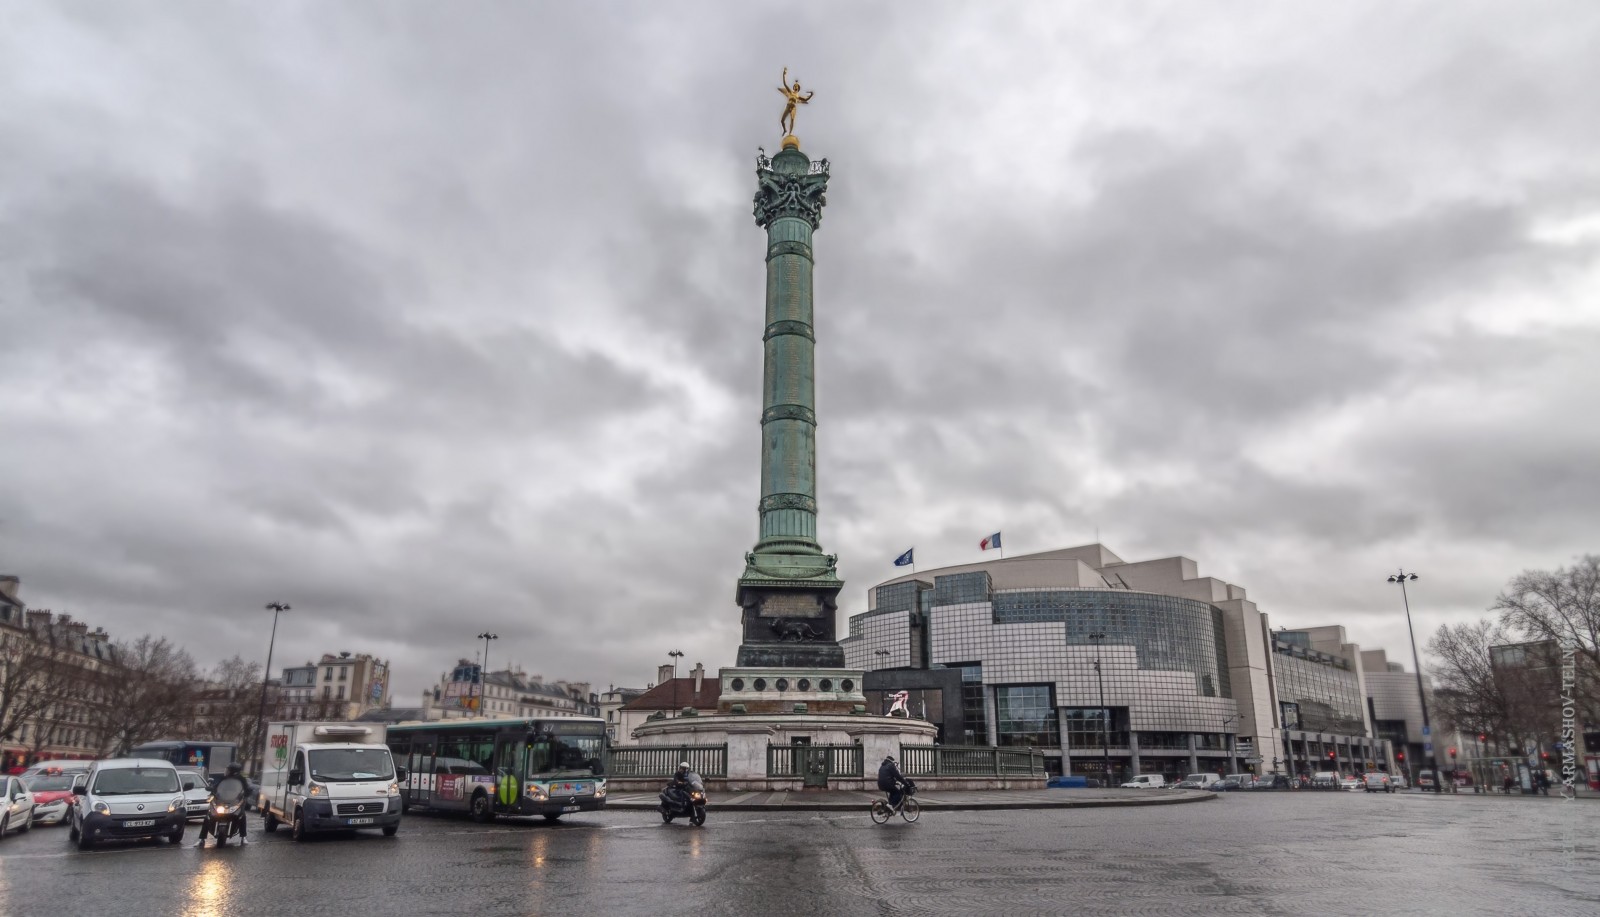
column 685, row 796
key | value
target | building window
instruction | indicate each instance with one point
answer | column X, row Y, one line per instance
column 341, row 692
column 342, row 671
column 975, row 720
column 1093, row 727
column 1026, row 716
column 327, row 692
column 327, row 674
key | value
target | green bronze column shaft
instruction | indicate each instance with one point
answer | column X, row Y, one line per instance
column 788, row 505
column 789, row 587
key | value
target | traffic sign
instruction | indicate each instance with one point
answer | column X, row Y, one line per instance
column 1252, row 760
column 1427, row 747
column 1426, row 731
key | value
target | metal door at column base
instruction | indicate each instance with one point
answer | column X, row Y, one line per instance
column 816, row 767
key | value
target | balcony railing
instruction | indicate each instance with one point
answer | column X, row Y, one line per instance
column 969, row 761
column 663, row 760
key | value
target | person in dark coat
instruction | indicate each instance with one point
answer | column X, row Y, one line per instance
column 891, row 781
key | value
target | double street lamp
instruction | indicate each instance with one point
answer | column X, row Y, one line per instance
column 1105, row 715
column 277, row 608
column 483, row 672
column 1402, row 578
column 676, row 655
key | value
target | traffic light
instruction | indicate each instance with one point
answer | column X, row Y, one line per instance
column 1452, row 751
column 1483, row 737
column 1330, row 756
column 1544, row 755
column 1399, row 756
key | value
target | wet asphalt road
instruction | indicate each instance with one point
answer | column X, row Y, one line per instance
column 1271, row 853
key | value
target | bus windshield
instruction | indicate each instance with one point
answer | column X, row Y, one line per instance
column 339, row 764
column 555, row 754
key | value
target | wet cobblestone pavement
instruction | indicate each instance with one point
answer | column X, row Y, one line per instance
column 1286, row 853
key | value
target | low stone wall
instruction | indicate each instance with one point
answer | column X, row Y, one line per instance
column 870, row 785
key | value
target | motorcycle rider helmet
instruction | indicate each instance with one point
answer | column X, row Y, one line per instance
column 683, row 766
column 234, row 769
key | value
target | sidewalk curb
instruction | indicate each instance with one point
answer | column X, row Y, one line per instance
column 929, row 806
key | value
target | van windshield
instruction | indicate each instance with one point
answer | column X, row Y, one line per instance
column 332, row 765
column 133, row 781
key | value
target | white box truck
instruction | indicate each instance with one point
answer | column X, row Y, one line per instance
column 329, row 777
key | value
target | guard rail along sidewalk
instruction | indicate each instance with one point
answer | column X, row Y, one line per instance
column 830, row 767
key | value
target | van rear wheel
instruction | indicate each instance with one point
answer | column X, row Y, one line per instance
column 269, row 821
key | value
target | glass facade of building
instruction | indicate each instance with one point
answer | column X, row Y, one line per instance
column 1025, row 715
column 1317, row 692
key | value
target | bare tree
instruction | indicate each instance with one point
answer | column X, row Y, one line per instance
column 229, row 703
column 152, row 691
column 1563, row 606
column 36, row 673
column 1470, row 696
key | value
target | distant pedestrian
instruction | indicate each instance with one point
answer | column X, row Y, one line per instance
column 1506, row 785
column 1544, row 783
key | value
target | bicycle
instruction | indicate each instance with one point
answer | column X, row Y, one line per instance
column 908, row 808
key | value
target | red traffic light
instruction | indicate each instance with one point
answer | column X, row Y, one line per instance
column 1452, row 751
column 1483, row 737
column 1400, row 756
column 1330, row 756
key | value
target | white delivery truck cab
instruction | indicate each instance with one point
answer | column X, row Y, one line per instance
column 329, row 777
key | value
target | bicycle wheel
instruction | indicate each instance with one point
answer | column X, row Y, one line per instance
column 881, row 811
column 909, row 810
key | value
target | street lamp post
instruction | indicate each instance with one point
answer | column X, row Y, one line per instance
column 483, row 673
column 1233, row 753
column 277, row 608
column 1105, row 715
column 1402, row 578
column 676, row 655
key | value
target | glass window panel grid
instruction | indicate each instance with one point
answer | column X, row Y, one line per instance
column 1025, row 715
column 1317, row 697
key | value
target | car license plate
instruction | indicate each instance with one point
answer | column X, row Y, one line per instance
column 139, row 823
column 360, row 821
column 571, row 808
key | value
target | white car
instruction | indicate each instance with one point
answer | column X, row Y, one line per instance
column 128, row 798
column 18, row 801
column 1145, row 782
column 1350, row 782
column 196, row 791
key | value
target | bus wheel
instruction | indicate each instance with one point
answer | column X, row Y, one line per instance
column 482, row 809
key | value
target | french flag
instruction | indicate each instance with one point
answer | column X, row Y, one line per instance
column 993, row 541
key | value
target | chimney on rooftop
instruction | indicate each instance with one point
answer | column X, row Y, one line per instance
column 664, row 674
column 9, row 585
column 699, row 675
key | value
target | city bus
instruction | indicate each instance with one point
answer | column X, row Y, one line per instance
column 488, row 767
column 210, row 756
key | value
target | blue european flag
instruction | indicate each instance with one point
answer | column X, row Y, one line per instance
column 904, row 559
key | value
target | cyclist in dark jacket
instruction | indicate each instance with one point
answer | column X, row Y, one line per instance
column 891, row 780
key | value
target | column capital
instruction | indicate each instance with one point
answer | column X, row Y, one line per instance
column 790, row 185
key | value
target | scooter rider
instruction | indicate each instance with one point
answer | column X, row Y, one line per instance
column 680, row 780
column 209, row 826
column 892, row 781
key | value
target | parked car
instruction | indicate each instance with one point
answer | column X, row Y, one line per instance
column 1196, row 782
column 1145, row 782
column 16, row 806
column 1425, row 780
column 69, row 767
column 196, row 790
column 1325, row 780
column 1224, row 785
column 1350, row 782
column 1060, row 781
column 128, row 798
column 1245, row 781
column 1398, row 781
column 52, row 797
column 1377, row 782
column 1274, row 782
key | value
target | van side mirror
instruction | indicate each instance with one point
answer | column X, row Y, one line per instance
column 296, row 777
column 401, row 774
column 188, row 785
column 79, row 789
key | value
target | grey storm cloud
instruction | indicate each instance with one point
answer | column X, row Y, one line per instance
column 429, row 318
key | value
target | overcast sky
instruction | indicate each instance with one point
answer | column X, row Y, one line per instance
column 430, row 318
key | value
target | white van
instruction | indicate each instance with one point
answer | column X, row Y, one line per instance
column 1146, row 782
column 329, row 777
column 127, row 798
